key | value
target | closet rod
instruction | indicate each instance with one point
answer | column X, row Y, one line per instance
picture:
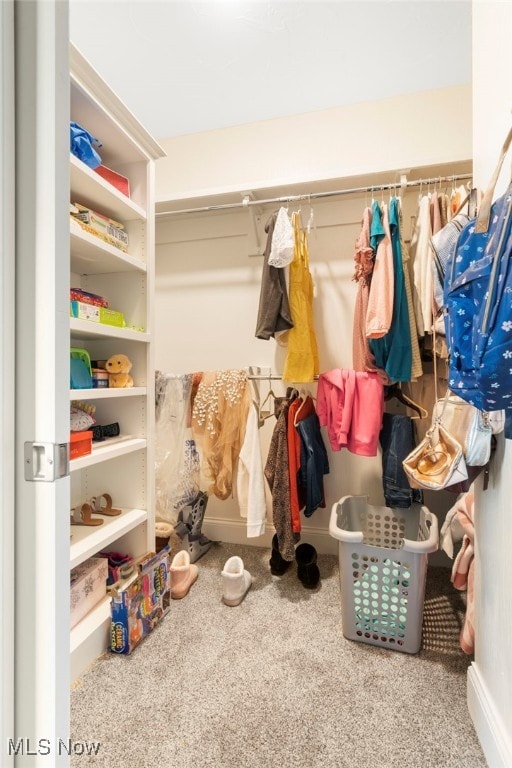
column 315, row 195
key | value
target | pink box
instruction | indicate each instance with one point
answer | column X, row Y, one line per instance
column 120, row 182
column 88, row 587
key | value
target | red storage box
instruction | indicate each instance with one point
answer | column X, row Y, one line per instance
column 119, row 182
column 80, row 444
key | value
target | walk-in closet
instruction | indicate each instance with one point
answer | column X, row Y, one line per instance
column 225, row 289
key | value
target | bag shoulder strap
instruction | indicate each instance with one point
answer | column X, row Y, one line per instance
column 482, row 222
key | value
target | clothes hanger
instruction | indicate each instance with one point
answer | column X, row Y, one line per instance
column 395, row 391
column 304, row 395
column 262, row 414
column 292, row 393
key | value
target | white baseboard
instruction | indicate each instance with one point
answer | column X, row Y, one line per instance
column 235, row 532
column 496, row 742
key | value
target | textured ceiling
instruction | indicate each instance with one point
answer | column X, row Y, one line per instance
column 190, row 66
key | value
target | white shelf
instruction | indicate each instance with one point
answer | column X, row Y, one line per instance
column 92, row 256
column 88, row 540
column 90, row 623
column 110, row 448
column 106, row 393
column 88, row 329
column 91, row 189
column 124, row 463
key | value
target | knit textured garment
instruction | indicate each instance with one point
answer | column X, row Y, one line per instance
column 277, row 474
column 219, row 419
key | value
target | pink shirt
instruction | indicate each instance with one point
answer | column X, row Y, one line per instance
column 380, row 303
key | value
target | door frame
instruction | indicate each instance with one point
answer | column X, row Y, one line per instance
column 41, row 650
column 7, row 226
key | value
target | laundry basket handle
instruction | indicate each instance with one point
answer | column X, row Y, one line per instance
column 432, row 543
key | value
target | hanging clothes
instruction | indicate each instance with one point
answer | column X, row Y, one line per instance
column 351, row 404
column 314, row 463
column 282, row 248
column 250, row 480
column 397, row 440
column 463, row 570
column 436, row 222
column 274, row 309
column 277, row 475
column 421, row 265
column 362, row 356
column 301, row 362
column 177, row 469
column 380, row 302
column 393, row 352
column 299, row 409
column 219, row 419
column 416, row 365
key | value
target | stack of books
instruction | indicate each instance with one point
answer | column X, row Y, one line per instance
column 97, row 224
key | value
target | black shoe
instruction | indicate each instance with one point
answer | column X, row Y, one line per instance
column 307, row 569
column 278, row 565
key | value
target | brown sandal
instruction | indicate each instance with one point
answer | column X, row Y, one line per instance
column 82, row 515
column 102, row 505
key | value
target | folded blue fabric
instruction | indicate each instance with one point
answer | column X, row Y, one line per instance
column 81, row 145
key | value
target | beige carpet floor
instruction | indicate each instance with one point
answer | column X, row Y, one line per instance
column 273, row 683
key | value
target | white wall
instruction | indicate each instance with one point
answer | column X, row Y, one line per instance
column 207, row 287
column 421, row 129
column 490, row 677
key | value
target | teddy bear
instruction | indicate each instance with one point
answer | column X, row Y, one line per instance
column 119, row 367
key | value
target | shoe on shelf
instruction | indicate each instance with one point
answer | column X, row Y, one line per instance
column 183, row 574
column 82, row 515
column 102, row 505
column 307, row 569
column 278, row 565
column 236, row 581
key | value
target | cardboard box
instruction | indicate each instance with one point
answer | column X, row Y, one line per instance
column 112, row 317
column 80, row 444
column 138, row 607
column 109, row 230
column 88, row 586
column 85, row 311
column 97, row 314
column 119, row 182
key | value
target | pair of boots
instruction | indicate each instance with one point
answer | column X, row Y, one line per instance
column 188, row 527
column 236, row 581
column 305, row 557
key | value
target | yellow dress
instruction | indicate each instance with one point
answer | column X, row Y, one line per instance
column 302, row 355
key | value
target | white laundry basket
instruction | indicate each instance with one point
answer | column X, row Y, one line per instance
column 383, row 556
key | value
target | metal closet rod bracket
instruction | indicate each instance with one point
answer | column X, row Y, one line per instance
column 255, row 248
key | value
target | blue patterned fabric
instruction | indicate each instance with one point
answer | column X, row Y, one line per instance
column 478, row 320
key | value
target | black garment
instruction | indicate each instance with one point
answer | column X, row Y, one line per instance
column 274, row 308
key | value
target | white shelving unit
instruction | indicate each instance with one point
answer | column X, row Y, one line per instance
column 121, row 466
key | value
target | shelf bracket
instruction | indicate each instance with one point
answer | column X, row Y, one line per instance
column 253, row 234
